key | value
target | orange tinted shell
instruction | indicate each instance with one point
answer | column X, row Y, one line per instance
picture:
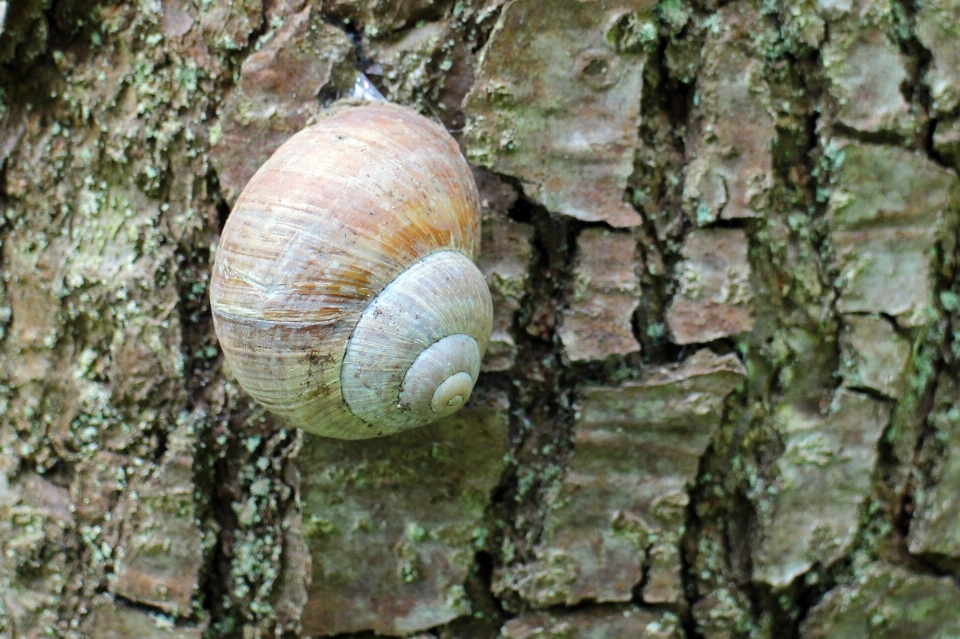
column 334, row 216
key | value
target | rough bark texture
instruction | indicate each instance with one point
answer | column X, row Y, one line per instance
column 721, row 397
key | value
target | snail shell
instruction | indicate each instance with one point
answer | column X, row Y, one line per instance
column 344, row 290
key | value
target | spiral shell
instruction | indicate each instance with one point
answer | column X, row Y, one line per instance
column 344, row 291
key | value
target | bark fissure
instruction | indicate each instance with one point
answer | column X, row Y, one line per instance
column 777, row 149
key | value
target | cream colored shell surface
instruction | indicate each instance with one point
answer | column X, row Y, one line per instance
column 374, row 214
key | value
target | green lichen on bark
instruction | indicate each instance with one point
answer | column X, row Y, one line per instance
column 770, row 185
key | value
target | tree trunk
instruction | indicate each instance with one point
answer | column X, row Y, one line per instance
column 721, row 396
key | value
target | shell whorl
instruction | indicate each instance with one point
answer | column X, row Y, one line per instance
column 418, row 339
column 344, row 292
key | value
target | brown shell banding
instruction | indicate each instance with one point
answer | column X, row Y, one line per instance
column 337, row 213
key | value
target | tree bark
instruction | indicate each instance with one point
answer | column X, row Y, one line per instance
column 721, row 395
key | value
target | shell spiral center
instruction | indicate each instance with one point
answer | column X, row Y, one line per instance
column 415, row 353
column 441, row 379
